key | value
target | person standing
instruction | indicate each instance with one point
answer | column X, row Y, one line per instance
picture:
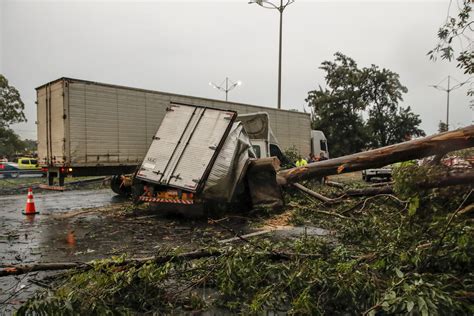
column 322, row 157
column 301, row 162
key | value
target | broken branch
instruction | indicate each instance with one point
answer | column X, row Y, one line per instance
column 316, row 195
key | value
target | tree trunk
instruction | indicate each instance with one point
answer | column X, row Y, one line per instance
column 414, row 149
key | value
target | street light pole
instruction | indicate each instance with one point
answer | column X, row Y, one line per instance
column 224, row 86
column 448, row 91
column 447, row 104
column 267, row 4
column 281, row 8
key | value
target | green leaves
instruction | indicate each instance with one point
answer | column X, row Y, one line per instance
column 413, row 205
column 350, row 90
column 399, row 273
column 11, row 105
column 11, row 111
column 456, row 30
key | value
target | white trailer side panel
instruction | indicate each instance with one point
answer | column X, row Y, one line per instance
column 108, row 125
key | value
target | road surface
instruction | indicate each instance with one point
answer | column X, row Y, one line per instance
column 60, row 234
column 55, row 236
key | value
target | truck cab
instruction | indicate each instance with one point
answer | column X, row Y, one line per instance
column 319, row 144
column 264, row 142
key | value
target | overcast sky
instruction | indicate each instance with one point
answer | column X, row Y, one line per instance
column 179, row 46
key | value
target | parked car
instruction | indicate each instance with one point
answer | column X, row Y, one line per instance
column 8, row 170
column 22, row 165
column 384, row 174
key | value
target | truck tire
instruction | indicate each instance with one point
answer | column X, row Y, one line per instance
column 368, row 178
column 116, row 186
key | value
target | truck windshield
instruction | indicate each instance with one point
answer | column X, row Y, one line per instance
column 322, row 143
column 256, row 148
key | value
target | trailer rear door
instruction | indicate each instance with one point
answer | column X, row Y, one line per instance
column 185, row 146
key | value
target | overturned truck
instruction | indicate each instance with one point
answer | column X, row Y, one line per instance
column 202, row 155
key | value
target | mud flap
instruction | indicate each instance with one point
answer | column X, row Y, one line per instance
column 263, row 188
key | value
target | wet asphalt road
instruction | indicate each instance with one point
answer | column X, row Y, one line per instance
column 21, row 236
column 55, row 236
column 41, row 238
column 52, row 237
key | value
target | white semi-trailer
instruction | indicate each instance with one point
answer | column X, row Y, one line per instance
column 90, row 128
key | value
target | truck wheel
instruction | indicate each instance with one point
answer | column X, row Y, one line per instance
column 368, row 178
column 116, row 186
column 51, row 179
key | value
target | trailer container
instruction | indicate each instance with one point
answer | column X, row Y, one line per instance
column 91, row 128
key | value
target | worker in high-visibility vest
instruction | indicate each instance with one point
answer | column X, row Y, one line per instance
column 301, row 162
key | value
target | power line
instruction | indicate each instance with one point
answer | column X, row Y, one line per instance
column 448, row 91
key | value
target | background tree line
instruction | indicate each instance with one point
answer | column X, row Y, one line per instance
column 350, row 92
column 11, row 112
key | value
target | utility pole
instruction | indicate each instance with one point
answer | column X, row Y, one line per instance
column 267, row 4
column 224, row 86
column 448, row 91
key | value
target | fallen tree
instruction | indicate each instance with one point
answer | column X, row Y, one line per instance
column 414, row 149
column 265, row 181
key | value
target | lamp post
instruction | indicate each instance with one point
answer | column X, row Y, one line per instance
column 448, row 91
column 224, row 86
column 267, row 4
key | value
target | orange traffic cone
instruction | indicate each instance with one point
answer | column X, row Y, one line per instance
column 30, row 208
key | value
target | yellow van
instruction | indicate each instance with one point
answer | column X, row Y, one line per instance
column 26, row 163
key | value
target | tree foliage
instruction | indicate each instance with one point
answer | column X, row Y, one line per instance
column 11, row 111
column 11, row 105
column 350, row 90
column 337, row 108
column 456, row 28
column 442, row 127
column 10, row 143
